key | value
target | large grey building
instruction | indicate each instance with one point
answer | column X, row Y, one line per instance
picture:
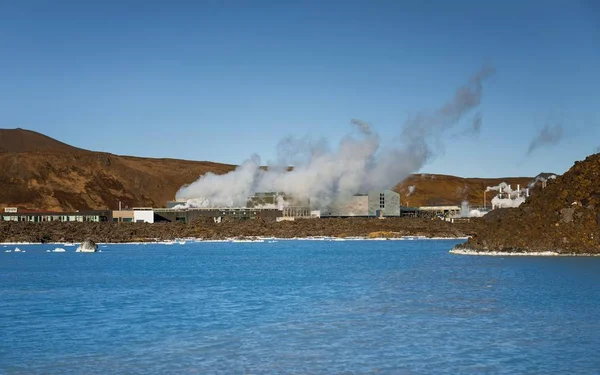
column 384, row 203
column 375, row 203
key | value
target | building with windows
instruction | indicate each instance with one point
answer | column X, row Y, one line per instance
column 44, row 216
column 445, row 211
column 379, row 203
column 384, row 203
column 190, row 214
column 123, row 216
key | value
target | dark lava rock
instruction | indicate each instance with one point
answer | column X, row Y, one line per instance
column 88, row 246
column 206, row 228
column 562, row 218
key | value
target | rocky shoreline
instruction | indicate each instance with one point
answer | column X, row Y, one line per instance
column 57, row 232
column 462, row 251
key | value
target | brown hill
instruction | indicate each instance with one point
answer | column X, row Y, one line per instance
column 21, row 140
column 564, row 217
column 438, row 189
column 38, row 172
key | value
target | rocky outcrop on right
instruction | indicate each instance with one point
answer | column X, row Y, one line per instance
column 563, row 218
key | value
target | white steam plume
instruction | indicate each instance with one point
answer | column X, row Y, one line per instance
column 498, row 202
column 541, row 179
column 466, row 211
column 359, row 164
column 411, row 189
column 549, row 135
column 507, row 197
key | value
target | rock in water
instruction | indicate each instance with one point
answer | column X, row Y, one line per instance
column 88, row 246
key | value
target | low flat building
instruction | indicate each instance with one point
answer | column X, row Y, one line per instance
column 143, row 215
column 191, row 214
column 296, row 212
column 406, row 211
column 46, row 216
column 122, row 216
column 440, row 210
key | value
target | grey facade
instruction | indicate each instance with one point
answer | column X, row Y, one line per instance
column 385, row 202
column 355, row 206
column 382, row 202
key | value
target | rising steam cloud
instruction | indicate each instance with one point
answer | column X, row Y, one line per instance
column 359, row 163
column 549, row 135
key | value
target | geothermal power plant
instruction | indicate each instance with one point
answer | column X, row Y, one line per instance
column 278, row 206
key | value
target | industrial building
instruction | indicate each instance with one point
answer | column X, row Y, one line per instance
column 13, row 214
column 143, row 215
column 376, row 203
column 191, row 214
column 122, row 216
column 445, row 211
column 384, row 203
column 297, row 213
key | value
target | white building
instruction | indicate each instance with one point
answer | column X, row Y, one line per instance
column 143, row 215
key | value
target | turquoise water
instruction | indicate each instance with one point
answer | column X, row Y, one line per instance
column 296, row 307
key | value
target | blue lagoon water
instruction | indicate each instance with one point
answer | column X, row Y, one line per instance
column 296, row 307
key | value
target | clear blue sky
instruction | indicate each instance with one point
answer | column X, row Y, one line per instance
column 221, row 80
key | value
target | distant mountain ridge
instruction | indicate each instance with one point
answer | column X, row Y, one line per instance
column 39, row 172
column 22, row 140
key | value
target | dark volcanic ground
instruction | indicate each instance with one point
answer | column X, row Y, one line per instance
column 207, row 229
column 564, row 217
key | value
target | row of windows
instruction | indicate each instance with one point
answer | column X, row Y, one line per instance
column 123, row 220
column 44, row 218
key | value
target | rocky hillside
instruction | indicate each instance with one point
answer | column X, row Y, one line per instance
column 564, row 217
column 38, row 172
